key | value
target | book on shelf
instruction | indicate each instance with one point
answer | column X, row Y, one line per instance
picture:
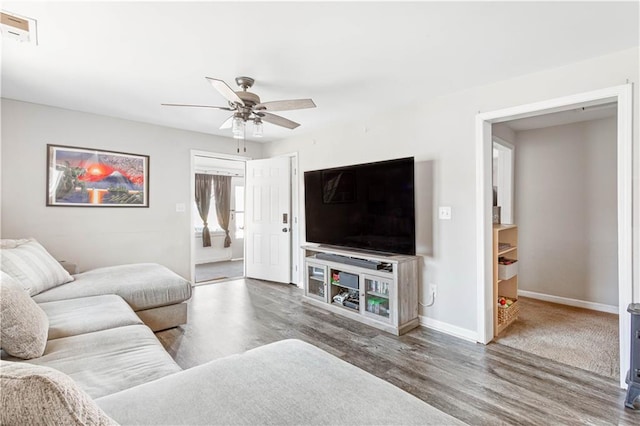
column 504, row 246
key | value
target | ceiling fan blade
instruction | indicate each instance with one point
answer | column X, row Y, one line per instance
column 225, row 90
column 227, row 123
column 199, row 106
column 278, row 121
column 287, row 105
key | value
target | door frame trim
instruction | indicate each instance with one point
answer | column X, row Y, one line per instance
column 296, row 251
column 192, row 199
column 623, row 96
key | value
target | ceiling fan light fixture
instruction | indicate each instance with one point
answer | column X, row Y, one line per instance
column 239, row 134
column 257, row 128
column 237, row 127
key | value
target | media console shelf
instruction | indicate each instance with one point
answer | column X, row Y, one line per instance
column 378, row 290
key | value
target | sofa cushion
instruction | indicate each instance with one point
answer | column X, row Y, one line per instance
column 23, row 324
column 109, row 361
column 36, row 395
column 87, row 314
column 31, row 265
column 141, row 285
column 287, row 382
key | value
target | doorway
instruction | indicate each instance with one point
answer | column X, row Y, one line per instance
column 227, row 262
column 566, row 277
column 221, row 256
column 622, row 96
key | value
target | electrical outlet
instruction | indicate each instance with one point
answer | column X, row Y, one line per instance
column 433, row 289
column 444, row 213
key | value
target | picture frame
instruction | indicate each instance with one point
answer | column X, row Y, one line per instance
column 87, row 177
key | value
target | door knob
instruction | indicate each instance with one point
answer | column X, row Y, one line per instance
column 285, row 229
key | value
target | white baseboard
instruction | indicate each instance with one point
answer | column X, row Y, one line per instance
column 452, row 330
column 211, row 260
column 570, row 302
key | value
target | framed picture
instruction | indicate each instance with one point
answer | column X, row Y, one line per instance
column 82, row 177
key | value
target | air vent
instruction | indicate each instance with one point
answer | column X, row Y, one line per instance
column 17, row 27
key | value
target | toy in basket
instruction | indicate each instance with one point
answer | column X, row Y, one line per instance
column 508, row 310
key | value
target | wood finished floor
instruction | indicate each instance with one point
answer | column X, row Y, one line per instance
column 477, row 384
column 219, row 270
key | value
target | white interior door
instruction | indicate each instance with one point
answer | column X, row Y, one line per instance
column 268, row 219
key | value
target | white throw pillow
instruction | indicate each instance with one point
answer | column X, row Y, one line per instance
column 24, row 326
column 31, row 265
column 38, row 395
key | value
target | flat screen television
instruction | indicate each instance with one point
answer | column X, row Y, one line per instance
column 365, row 206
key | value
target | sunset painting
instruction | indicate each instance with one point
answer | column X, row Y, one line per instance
column 96, row 178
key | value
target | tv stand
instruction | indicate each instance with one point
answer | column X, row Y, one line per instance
column 378, row 289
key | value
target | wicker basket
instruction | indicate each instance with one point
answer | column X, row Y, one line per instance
column 507, row 315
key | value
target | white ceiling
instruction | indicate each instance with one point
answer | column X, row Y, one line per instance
column 354, row 59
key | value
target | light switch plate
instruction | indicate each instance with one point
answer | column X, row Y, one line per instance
column 444, row 213
column 181, row 208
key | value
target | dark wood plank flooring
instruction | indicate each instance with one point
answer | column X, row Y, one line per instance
column 478, row 384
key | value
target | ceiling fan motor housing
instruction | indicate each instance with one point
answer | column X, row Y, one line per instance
column 245, row 82
column 249, row 99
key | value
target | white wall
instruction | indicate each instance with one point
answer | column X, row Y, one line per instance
column 504, row 132
column 96, row 237
column 566, row 211
column 214, row 253
column 440, row 133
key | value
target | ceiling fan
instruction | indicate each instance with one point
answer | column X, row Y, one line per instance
column 246, row 106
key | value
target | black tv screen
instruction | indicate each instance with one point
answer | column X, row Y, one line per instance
column 366, row 206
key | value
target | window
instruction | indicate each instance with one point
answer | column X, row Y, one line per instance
column 236, row 221
column 212, row 219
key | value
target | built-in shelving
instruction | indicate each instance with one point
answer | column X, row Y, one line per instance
column 505, row 245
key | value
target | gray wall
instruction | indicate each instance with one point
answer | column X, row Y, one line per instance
column 96, row 237
column 441, row 134
column 566, row 211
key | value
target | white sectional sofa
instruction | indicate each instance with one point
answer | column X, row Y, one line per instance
column 83, row 357
column 156, row 294
column 99, row 324
column 101, row 344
